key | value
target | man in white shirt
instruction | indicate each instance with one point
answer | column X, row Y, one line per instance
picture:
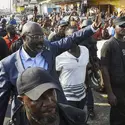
column 71, row 66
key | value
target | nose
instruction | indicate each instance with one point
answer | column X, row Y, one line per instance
column 49, row 101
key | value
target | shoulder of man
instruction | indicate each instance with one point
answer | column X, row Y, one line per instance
column 107, row 46
column 74, row 116
column 9, row 60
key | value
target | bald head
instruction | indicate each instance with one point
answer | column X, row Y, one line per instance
column 33, row 38
column 32, row 28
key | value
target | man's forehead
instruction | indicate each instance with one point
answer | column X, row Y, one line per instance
column 32, row 28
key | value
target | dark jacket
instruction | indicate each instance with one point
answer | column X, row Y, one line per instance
column 4, row 52
column 12, row 66
column 68, row 115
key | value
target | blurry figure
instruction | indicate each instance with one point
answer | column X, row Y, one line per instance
column 111, row 28
column 60, row 31
column 11, row 35
column 12, row 20
column 24, row 20
column 46, row 27
column 3, row 27
column 4, row 52
column 105, row 33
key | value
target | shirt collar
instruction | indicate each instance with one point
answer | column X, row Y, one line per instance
column 25, row 55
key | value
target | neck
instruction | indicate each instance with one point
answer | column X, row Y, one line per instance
column 29, row 51
column 119, row 37
column 74, row 49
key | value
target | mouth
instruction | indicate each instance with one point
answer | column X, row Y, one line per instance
column 49, row 111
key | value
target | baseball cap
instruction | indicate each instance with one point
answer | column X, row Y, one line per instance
column 33, row 82
column 119, row 21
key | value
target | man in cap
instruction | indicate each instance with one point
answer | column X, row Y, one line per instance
column 37, row 92
column 60, row 31
column 113, row 71
column 35, row 52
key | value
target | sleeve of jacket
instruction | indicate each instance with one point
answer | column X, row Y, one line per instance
column 5, row 89
column 66, row 43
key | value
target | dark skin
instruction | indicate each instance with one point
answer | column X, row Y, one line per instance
column 33, row 39
column 119, row 35
column 44, row 109
column 61, row 30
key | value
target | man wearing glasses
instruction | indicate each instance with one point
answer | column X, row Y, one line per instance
column 113, row 70
column 35, row 52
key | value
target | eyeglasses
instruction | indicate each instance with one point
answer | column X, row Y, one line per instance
column 36, row 36
column 122, row 26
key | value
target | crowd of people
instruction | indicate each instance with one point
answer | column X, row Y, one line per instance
column 49, row 67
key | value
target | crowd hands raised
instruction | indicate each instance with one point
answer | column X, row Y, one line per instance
column 41, row 52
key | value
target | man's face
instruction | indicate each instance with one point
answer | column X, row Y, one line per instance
column 120, row 29
column 34, row 40
column 61, row 30
column 44, row 109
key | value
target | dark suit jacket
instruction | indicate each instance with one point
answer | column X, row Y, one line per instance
column 12, row 66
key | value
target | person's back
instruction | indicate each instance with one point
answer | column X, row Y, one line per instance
column 3, row 49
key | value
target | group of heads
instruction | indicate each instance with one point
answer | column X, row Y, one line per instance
column 33, row 36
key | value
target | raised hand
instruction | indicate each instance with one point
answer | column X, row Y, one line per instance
column 98, row 21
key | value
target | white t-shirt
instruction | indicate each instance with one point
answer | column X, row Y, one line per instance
column 73, row 73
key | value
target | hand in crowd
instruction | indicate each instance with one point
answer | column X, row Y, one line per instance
column 98, row 21
column 112, row 100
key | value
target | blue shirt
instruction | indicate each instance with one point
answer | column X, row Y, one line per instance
column 13, row 22
column 28, row 61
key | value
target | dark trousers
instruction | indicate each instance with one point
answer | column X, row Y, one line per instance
column 90, row 99
column 78, row 104
column 117, row 113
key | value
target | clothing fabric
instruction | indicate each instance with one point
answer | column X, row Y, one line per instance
column 117, row 113
column 27, row 61
column 73, row 73
column 111, row 56
column 56, row 37
column 10, row 41
column 68, row 115
column 89, row 99
column 16, row 45
column 111, row 31
column 12, row 66
column 3, row 49
column 78, row 104
column 12, row 22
